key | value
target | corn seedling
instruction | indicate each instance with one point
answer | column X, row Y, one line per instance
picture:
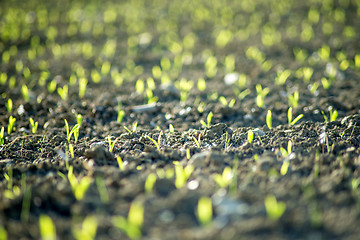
column 79, row 119
column 87, row 230
column 9, row 105
column 269, row 119
column 204, row 210
column 134, row 127
column 224, row 179
column 25, row 93
column 82, row 87
column 211, row 66
column 188, row 155
column 71, row 150
column 121, row 113
column 104, row 196
column 274, row 209
column 3, row 233
column 63, row 92
column 208, row 120
column 12, row 121
column 314, row 88
column 182, row 174
column 290, row 117
column 261, row 93
column 79, row 188
column 250, row 136
column 230, row 104
column 47, row 228
column 282, row 77
column 120, row 163
column 333, row 115
column 243, row 94
column 197, row 141
column 171, row 128
column 133, row 224
column 2, row 136
column 34, row 125
column 12, row 191
column 111, row 144
column 158, row 143
column 286, row 152
column 74, row 130
column 25, row 208
column 233, row 184
column 227, row 141
column 149, row 183
column 201, row 84
column 294, row 99
column 284, row 167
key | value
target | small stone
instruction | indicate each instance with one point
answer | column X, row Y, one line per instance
column 258, row 132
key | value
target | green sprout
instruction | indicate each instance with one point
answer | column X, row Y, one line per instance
column 197, row 141
column 3, row 233
column 274, row 209
column 290, row 117
column 9, row 105
column 34, row 125
column 25, row 209
column 25, row 93
column 74, row 130
column 224, row 179
column 79, row 188
column 158, row 143
column 333, row 115
column 79, row 119
column 286, row 152
column 230, row 104
column 63, row 92
column 182, row 174
column 204, row 211
column 104, row 196
column 12, row 191
column 250, row 136
column 134, row 127
column 111, row 144
column 71, row 150
column 314, row 87
column 120, row 163
column 284, row 167
column 227, row 141
column 208, row 120
column 2, row 136
column 201, row 84
column 261, row 93
column 282, row 77
column 121, row 113
column 87, row 230
column 243, row 94
column 12, row 121
column 82, row 87
column 171, row 128
column 269, row 119
column 294, row 99
column 211, row 66
column 47, row 228
column 149, row 183
column 133, row 224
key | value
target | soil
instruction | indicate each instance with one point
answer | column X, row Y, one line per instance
column 320, row 187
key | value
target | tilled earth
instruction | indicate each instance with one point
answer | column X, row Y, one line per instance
column 320, row 187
